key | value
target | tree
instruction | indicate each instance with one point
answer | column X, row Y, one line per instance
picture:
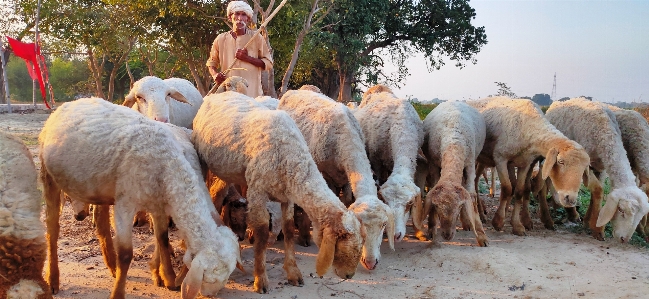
column 542, row 99
column 11, row 24
column 505, row 91
column 360, row 29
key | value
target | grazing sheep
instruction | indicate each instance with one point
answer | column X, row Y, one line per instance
column 22, row 241
column 517, row 135
column 88, row 149
column 311, row 88
column 635, row 138
column 268, row 101
column 172, row 100
column 393, row 136
column 595, row 127
column 245, row 143
column 336, row 143
column 454, row 134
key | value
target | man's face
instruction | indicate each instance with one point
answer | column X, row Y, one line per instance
column 239, row 19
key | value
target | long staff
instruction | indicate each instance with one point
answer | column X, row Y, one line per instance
column 263, row 25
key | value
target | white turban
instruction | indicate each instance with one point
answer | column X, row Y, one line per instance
column 235, row 6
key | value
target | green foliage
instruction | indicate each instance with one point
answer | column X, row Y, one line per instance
column 423, row 109
column 505, row 91
column 20, row 84
column 69, row 79
column 545, row 109
column 542, row 99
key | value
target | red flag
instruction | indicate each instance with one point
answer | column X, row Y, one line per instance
column 27, row 51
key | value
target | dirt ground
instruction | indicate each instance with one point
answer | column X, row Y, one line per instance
column 543, row 264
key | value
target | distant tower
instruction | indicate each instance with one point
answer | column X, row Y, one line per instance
column 554, row 88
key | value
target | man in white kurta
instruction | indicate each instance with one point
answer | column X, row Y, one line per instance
column 251, row 61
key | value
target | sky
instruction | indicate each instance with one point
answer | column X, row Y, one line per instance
column 596, row 48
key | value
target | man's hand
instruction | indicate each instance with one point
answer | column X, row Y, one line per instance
column 242, row 54
column 219, row 78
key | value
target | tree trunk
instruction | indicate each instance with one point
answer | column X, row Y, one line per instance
column 199, row 81
column 346, row 79
column 3, row 94
column 96, row 70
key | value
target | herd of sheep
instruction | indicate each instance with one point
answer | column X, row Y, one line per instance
column 342, row 176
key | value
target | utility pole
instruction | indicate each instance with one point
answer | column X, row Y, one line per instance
column 554, row 88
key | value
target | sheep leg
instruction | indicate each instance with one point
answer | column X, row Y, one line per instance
column 52, row 215
column 546, row 218
column 481, row 205
column 288, row 227
column 498, row 222
column 101, row 214
column 471, row 211
column 303, row 223
column 596, row 196
column 432, row 223
column 123, row 218
column 471, row 208
column 161, row 262
column 519, row 194
column 258, row 218
column 525, row 212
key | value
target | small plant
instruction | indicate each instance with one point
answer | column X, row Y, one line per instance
column 423, row 109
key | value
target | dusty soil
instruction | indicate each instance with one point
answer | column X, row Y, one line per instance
column 544, row 264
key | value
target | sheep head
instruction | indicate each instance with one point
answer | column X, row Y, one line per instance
column 375, row 217
column 565, row 166
column 210, row 269
column 233, row 83
column 235, row 212
column 340, row 242
column 448, row 199
column 80, row 209
column 400, row 193
column 151, row 96
column 624, row 207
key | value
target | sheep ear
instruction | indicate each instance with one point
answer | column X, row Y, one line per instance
column 550, row 160
column 421, row 157
column 644, row 207
column 586, row 177
column 418, row 213
column 240, row 263
column 192, row 282
column 326, row 255
column 391, row 227
column 129, row 101
column 607, row 212
column 176, row 95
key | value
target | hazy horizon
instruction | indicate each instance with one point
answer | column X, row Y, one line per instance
column 596, row 48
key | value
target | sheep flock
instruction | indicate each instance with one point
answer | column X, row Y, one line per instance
column 350, row 178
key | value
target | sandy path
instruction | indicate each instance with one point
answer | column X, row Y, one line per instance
column 544, row 264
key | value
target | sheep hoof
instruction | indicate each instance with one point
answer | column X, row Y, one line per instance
column 598, row 235
column 483, row 243
column 519, row 231
column 173, row 288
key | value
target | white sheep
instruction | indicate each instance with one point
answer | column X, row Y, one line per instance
column 107, row 154
column 245, row 143
column 172, row 100
column 393, row 136
column 517, row 135
column 635, row 138
column 336, row 142
column 595, row 127
column 22, row 239
column 454, row 134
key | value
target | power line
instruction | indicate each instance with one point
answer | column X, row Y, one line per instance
column 554, row 88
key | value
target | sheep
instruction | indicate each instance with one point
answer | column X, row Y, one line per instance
column 336, row 142
column 153, row 97
column 245, row 143
column 268, row 101
column 517, row 135
column 106, row 154
column 22, row 240
column 635, row 138
column 454, row 136
column 594, row 126
column 393, row 136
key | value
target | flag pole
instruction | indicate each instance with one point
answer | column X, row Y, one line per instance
column 38, row 13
